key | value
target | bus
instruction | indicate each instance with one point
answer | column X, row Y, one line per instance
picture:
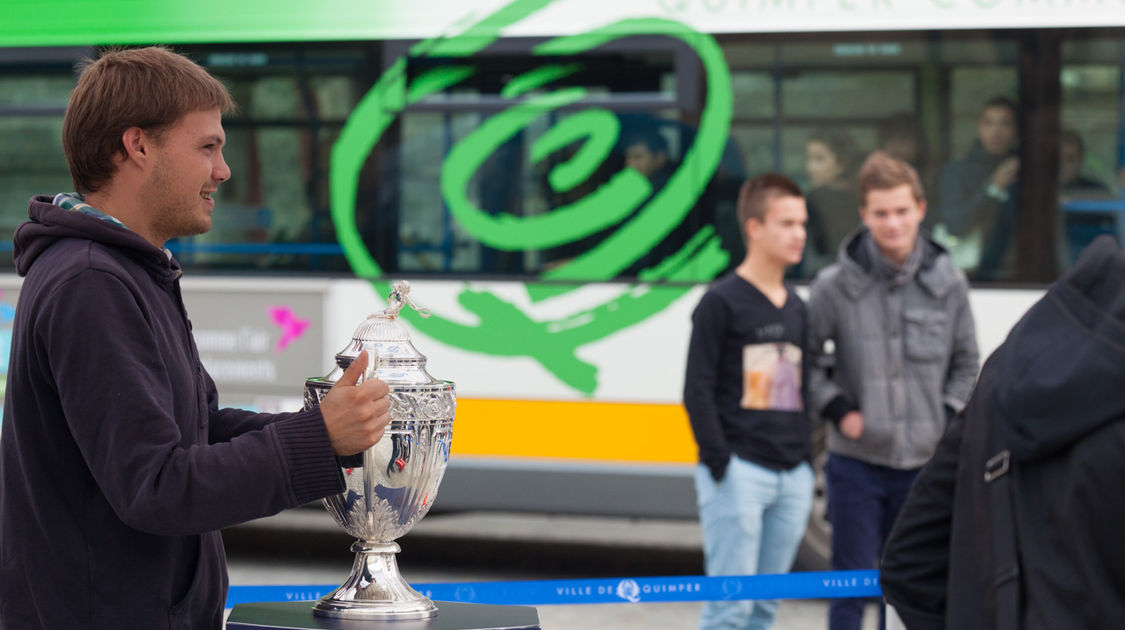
column 556, row 179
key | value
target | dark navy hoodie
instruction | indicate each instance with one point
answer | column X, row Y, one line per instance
column 117, row 467
column 1052, row 396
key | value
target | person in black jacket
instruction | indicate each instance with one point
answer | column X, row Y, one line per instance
column 117, row 466
column 745, row 395
column 832, row 163
column 977, row 202
column 1016, row 522
column 1076, row 187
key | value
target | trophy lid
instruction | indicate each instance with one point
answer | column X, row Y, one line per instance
column 388, row 343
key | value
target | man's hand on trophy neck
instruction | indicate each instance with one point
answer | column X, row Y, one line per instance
column 356, row 414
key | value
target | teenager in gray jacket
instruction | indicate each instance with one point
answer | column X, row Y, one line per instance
column 905, row 359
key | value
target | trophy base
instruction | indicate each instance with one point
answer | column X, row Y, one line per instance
column 454, row 616
column 375, row 590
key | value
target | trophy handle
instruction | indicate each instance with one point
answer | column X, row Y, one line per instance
column 372, row 362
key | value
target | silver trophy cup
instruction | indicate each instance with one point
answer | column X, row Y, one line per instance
column 393, row 484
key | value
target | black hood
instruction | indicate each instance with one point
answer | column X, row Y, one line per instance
column 49, row 223
column 1061, row 371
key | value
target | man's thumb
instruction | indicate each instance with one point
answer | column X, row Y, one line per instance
column 354, row 371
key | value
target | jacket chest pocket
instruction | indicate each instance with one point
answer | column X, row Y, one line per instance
column 925, row 334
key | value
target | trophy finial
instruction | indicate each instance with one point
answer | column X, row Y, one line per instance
column 399, row 297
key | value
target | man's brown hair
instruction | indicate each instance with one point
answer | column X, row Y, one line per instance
column 883, row 172
column 150, row 88
column 1001, row 102
column 756, row 194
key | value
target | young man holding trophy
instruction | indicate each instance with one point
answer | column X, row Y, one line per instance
column 117, row 466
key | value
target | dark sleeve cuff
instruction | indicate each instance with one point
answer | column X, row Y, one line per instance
column 314, row 472
column 839, row 407
column 718, row 469
column 351, row 461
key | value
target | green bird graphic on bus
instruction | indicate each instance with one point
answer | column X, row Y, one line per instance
column 627, row 200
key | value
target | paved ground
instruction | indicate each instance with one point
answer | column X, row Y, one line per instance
column 306, row 547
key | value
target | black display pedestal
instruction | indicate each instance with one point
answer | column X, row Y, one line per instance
column 451, row 616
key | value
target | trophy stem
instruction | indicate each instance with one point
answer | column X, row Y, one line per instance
column 375, row 589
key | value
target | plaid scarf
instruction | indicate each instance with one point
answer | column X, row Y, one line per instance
column 76, row 203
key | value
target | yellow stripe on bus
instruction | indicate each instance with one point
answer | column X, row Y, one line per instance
column 573, row 430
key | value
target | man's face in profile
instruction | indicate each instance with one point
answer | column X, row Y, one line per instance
column 781, row 235
column 188, row 166
column 641, row 158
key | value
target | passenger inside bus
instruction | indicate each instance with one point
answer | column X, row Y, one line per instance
column 1074, row 181
column 1082, row 222
column 647, row 153
column 901, row 137
column 977, row 194
column 831, row 163
column 642, row 148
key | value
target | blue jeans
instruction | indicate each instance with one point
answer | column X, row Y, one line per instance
column 753, row 522
column 863, row 502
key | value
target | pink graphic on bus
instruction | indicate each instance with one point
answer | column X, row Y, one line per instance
column 292, row 327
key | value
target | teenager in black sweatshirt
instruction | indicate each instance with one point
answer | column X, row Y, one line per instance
column 745, row 395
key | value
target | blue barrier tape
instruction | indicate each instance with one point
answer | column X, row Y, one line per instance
column 812, row 585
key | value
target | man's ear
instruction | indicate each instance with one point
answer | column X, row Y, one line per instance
column 753, row 228
column 138, row 145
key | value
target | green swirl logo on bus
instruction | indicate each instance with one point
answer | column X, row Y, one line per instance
column 502, row 328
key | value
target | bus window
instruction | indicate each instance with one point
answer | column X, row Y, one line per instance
column 973, row 111
column 274, row 211
column 793, row 101
column 429, row 239
column 526, row 164
column 31, row 156
column 814, row 106
column 1091, row 143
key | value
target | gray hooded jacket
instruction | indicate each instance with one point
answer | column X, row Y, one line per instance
column 905, row 351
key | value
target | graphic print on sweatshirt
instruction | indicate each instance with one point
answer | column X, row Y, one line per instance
column 772, row 377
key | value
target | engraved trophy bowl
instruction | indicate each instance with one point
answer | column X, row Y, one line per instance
column 391, row 485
